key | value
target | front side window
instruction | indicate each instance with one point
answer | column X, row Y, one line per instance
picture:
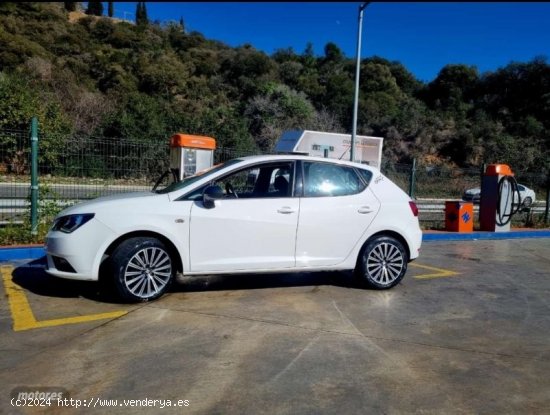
column 268, row 180
column 259, row 181
column 326, row 179
column 187, row 181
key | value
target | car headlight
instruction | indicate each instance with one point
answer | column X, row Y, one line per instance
column 70, row 223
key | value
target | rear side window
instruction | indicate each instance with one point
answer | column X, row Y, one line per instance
column 326, row 179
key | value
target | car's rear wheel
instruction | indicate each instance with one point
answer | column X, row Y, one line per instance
column 527, row 201
column 143, row 269
column 382, row 262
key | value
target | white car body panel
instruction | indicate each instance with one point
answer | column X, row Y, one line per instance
column 71, row 247
column 241, row 235
column 244, row 234
column 396, row 214
column 118, row 215
column 330, row 227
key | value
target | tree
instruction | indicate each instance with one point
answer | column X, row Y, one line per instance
column 277, row 108
column 144, row 9
column 454, row 88
column 111, row 9
column 333, row 53
column 141, row 14
column 70, row 6
column 308, row 51
column 95, row 8
column 182, row 24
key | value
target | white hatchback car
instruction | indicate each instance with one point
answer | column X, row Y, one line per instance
column 250, row 215
column 526, row 195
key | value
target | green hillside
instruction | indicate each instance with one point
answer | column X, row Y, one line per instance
column 102, row 77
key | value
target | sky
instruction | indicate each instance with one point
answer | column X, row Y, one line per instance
column 423, row 36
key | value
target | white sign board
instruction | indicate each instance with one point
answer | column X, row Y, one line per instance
column 368, row 150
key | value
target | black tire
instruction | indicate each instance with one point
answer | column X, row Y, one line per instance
column 382, row 263
column 142, row 269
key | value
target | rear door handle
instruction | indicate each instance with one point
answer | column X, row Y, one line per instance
column 364, row 209
column 285, row 210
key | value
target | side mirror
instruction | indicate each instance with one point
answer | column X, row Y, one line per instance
column 210, row 195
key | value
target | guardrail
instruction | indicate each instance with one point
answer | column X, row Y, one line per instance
column 433, row 210
column 15, row 203
column 12, row 210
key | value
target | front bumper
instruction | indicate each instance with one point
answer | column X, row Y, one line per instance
column 80, row 249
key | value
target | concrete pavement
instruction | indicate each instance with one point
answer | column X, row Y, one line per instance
column 467, row 331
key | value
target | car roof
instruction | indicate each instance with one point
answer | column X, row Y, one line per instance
column 274, row 157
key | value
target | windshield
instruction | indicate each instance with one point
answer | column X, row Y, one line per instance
column 197, row 176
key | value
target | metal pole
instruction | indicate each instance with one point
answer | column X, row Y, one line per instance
column 547, row 208
column 357, row 70
column 412, row 179
column 34, row 176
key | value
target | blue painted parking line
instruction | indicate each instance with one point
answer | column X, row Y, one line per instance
column 470, row 236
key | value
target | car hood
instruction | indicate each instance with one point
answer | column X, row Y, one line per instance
column 111, row 202
column 472, row 191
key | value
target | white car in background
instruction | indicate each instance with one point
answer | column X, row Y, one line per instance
column 250, row 215
column 527, row 195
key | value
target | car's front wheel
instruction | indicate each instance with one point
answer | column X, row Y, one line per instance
column 143, row 269
column 382, row 262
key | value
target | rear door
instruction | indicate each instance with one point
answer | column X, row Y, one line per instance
column 336, row 209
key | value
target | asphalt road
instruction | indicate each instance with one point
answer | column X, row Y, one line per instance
column 466, row 332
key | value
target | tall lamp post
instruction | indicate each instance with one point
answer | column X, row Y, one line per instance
column 362, row 7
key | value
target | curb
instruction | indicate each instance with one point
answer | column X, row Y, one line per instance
column 21, row 252
column 9, row 253
column 473, row 236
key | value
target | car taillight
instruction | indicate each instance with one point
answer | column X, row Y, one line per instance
column 414, row 208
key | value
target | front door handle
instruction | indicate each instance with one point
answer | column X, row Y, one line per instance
column 364, row 209
column 285, row 210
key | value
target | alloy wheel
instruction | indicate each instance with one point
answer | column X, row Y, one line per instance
column 385, row 263
column 148, row 272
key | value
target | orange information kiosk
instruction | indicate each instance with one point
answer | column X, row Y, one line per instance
column 190, row 154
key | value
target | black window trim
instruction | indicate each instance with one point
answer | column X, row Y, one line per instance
column 362, row 178
column 250, row 166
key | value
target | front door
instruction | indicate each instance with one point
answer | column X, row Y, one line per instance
column 253, row 227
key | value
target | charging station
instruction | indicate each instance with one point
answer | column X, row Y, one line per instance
column 190, row 154
column 500, row 198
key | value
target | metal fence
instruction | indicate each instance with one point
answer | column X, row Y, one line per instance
column 79, row 168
